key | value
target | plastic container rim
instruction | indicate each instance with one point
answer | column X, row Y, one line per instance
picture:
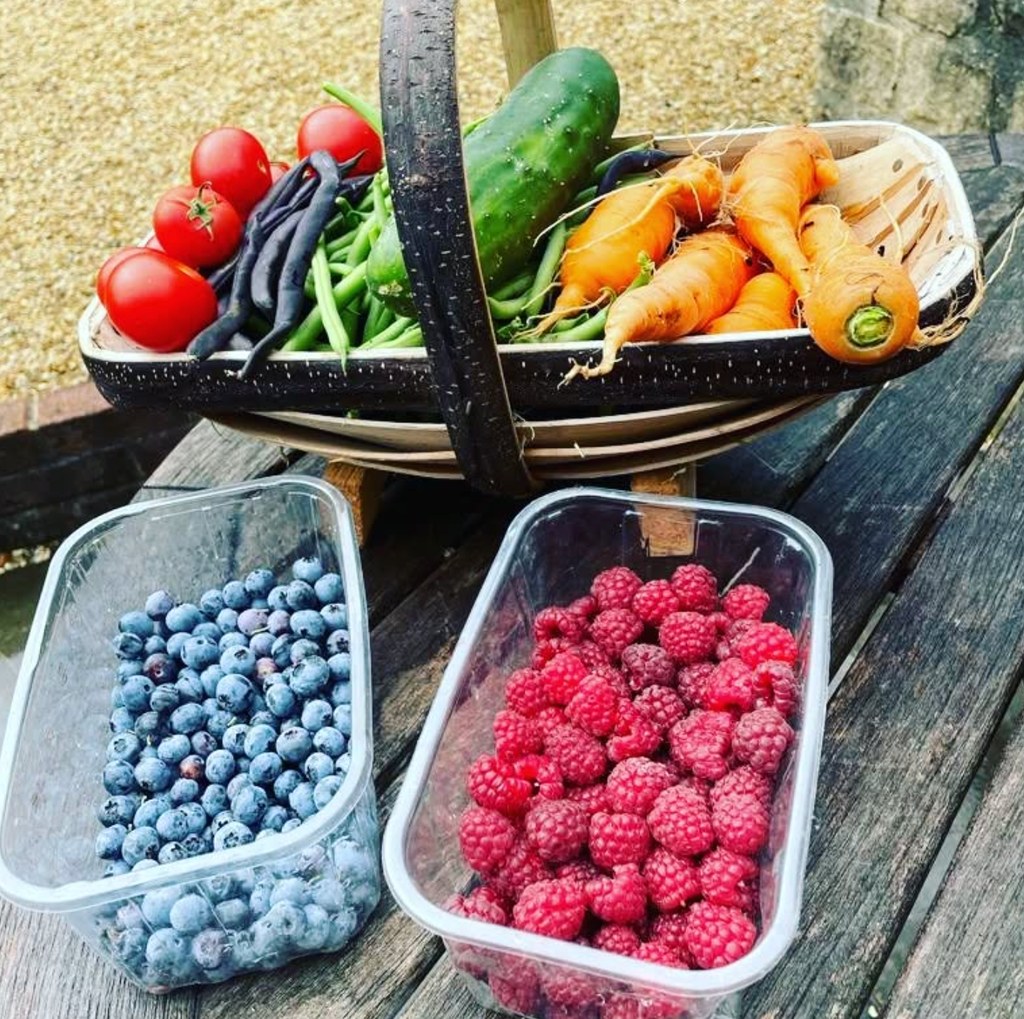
column 76, row 895
column 778, row 935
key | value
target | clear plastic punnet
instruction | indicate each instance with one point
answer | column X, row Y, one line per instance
column 550, row 554
column 54, row 749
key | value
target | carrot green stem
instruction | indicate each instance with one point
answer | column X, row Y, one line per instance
column 869, row 326
column 361, row 106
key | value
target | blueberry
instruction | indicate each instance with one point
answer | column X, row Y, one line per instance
column 285, row 783
column 280, row 700
column 118, row 778
column 309, row 677
column 195, row 817
column 196, row 844
column 237, row 784
column 251, row 621
column 317, row 766
column 130, row 945
column 318, row 928
column 309, row 624
column 301, row 800
column 204, row 743
column 260, row 645
column 184, row 790
column 211, row 602
column 338, row 642
column 219, row 722
column 116, row 700
column 166, row 950
column 189, row 687
column 144, row 864
column 265, row 768
column 171, row 852
column 225, row 817
column 190, row 914
column 343, row 719
column 227, row 620
column 290, row 889
column 124, row 746
column 209, row 679
column 159, row 603
column 343, row 928
column 208, row 629
column 153, row 776
column 316, row 714
column 329, row 895
column 277, row 598
column 341, row 692
column 300, row 595
column 308, row 569
column 147, row 751
column 342, row 764
column 118, row 810
column 220, row 766
column 238, row 661
column 304, row 648
column 137, row 623
column 149, row 726
column 126, row 669
column 128, row 646
column 259, row 739
column 147, row 812
column 140, row 844
column 259, row 899
column 291, row 825
column 335, row 617
column 193, row 767
column 281, row 650
column 154, row 645
column 273, row 934
column 340, row 666
column 329, row 589
column 109, row 842
column 174, row 749
column 234, row 738
column 183, row 617
column 232, row 913
column 294, row 744
column 187, row 719
column 129, row 916
column 249, row 805
column 210, row 948
column 329, row 741
column 325, row 789
column 231, row 835
column 274, row 818
column 199, row 652
column 279, row 622
column 235, row 595
column 161, row 667
column 232, row 639
column 176, row 644
column 121, row 720
column 164, row 699
column 135, row 693
column 214, row 800
column 265, row 718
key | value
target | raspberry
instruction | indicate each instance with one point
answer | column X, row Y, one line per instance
column 776, row 687
column 493, row 783
column 736, row 628
column 570, row 989
column 562, row 677
column 614, row 630
column 614, row 588
column 590, row 655
column 558, row 622
column 613, row 937
column 524, row 692
column 761, row 739
column 480, row 904
column 687, row 636
column 594, row 707
column 579, row 756
column 660, row 953
column 766, row 642
column 592, row 798
column 515, row 984
column 723, row 651
column 654, row 601
column 646, row 665
column 661, row 707
column 746, row 601
column 544, row 776
column 557, row 829
column 731, row 685
column 635, row 735
column 614, row 678
column 621, row 898
column 515, row 735
column 728, row 879
column 554, row 908
column 522, row 867
column 617, row 839
column 692, row 682
column 671, row 880
column 701, row 743
column 745, row 781
column 681, row 821
column 696, row 588
column 485, row 837
column 669, row 929
column 585, row 607
column 717, row 935
column 625, row 1006
column 547, row 649
column 550, row 718
column 635, row 784
column 740, row 823
column 581, row 871
column 721, row 621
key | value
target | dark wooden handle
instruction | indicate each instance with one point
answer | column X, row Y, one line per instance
column 420, row 106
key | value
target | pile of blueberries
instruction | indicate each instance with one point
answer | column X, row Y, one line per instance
column 231, row 722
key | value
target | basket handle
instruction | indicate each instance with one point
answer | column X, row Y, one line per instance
column 420, row 108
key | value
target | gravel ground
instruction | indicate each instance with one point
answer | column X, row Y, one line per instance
column 100, row 104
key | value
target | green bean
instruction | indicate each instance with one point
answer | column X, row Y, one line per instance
column 546, row 273
column 473, row 125
column 393, row 331
column 339, row 268
column 501, row 311
column 380, row 211
column 590, row 329
column 568, row 323
column 410, row 337
column 361, row 243
column 354, row 102
column 337, row 334
column 308, row 330
column 378, row 316
column 341, row 242
column 516, row 288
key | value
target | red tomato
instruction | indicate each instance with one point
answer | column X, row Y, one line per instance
column 108, row 267
column 235, row 164
column 344, row 134
column 197, row 226
column 158, row 302
column 277, row 171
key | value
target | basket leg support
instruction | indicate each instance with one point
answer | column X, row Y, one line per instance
column 668, row 534
column 527, row 34
column 361, row 488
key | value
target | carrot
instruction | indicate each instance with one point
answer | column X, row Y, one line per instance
column 770, row 186
column 859, row 307
column 601, row 257
column 766, row 302
column 700, row 282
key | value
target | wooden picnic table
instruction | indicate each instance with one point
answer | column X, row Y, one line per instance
column 918, row 491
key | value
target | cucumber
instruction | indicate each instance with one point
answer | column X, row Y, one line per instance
column 523, row 164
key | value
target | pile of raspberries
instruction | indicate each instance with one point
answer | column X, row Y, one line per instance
column 630, row 788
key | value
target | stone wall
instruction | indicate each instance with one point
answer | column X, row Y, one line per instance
column 944, row 66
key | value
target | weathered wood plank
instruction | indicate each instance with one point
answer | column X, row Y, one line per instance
column 969, row 151
column 967, row 959
column 442, row 993
column 905, row 734
column 996, row 196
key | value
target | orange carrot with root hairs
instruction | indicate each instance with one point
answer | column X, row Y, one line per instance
column 766, row 302
column 770, row 186
column 700, row 282
column 859, row 307
column 601, row 257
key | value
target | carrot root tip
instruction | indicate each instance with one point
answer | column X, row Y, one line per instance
column 869, row 326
